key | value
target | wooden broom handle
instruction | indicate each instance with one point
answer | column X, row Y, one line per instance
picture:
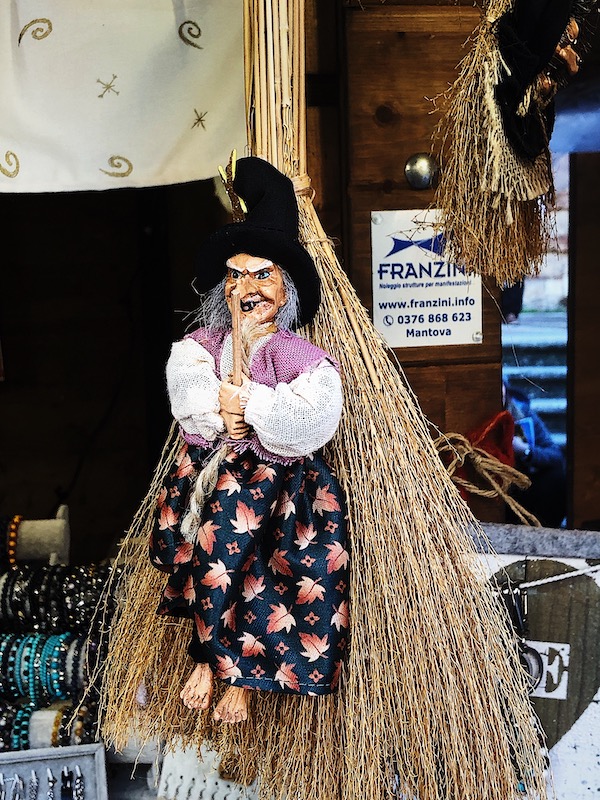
column 236, row 337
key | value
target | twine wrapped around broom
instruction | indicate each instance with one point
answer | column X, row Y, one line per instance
column 495, row 206
column 432, row 702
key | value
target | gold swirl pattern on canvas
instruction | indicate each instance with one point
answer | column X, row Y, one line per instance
column 44, row 29
column 122, row 167
column 11, row 161
column 188, row 31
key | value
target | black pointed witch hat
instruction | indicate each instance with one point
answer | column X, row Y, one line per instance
column 270, row 230
column 529, row 35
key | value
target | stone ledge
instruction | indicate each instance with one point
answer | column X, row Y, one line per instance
column 546, row 542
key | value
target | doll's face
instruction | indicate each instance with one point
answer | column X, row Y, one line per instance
column 260, row 286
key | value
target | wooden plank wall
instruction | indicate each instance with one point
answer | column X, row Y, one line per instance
column 398, row 57
column 584, row 333
column 325, row 134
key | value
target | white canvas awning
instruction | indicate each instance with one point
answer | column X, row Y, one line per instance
column 100, row 94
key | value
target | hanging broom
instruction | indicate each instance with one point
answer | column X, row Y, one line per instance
column 495, row 206
column 432, row 702
column 496, row 192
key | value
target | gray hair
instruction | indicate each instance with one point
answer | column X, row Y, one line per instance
column 213, row 313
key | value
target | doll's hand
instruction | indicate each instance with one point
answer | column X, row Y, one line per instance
column 232, row 410
column 236, row 425
column 230, row 397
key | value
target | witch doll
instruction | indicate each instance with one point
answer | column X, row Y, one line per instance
column 250, row 521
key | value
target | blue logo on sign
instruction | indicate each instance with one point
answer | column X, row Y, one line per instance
column 435, row 244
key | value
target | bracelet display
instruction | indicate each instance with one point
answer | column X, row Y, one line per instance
column 48, row 650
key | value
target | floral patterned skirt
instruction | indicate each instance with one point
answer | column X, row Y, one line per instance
column 266, row 581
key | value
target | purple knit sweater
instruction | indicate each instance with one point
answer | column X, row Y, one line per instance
column 283, row 357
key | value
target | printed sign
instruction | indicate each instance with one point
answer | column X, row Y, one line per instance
column 555, row 675
column 419, row 298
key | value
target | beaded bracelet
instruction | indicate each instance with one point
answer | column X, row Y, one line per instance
column 67, row 597
column 6, row 643
column 57, row 737
column 30, row 610
column 17, row 598
column 55, row 726
column 81, row 607
column 78, row 728
column 17, row 666
column 34, row 684
column 26, row 667
column 20, row 731
column 92, row 582
column 12, row 600
column 24, row 734
column 11, row 539
column 24, row 611
column 64, row 730
column 12, row 688
column 72, row 667
column 55, row 600
column 42, row 597
column 86, row 723
column 46, row 654
column 7, row 717
column 22, row 665
column 86, row 662
column 15, row 738
column 6, row 600
column 57, row 673
column 3, row 580
column 74, row 599
column 52, row 598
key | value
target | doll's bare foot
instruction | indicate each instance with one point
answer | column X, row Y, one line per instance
column 233, row 706
column 198, row 690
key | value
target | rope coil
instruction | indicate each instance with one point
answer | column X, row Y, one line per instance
column 498, row 476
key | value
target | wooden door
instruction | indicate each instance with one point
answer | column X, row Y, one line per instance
column 398, row 58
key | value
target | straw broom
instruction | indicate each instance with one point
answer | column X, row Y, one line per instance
column 495, row 207
column 432, row 702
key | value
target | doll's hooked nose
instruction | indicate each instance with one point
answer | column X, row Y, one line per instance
column 246, row 279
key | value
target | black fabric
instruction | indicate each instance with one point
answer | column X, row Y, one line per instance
column 528, row 34
column 270, row 230
column 527, row 37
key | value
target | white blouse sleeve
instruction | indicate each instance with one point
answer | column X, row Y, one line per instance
column 297, row 418
column 193, row 389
